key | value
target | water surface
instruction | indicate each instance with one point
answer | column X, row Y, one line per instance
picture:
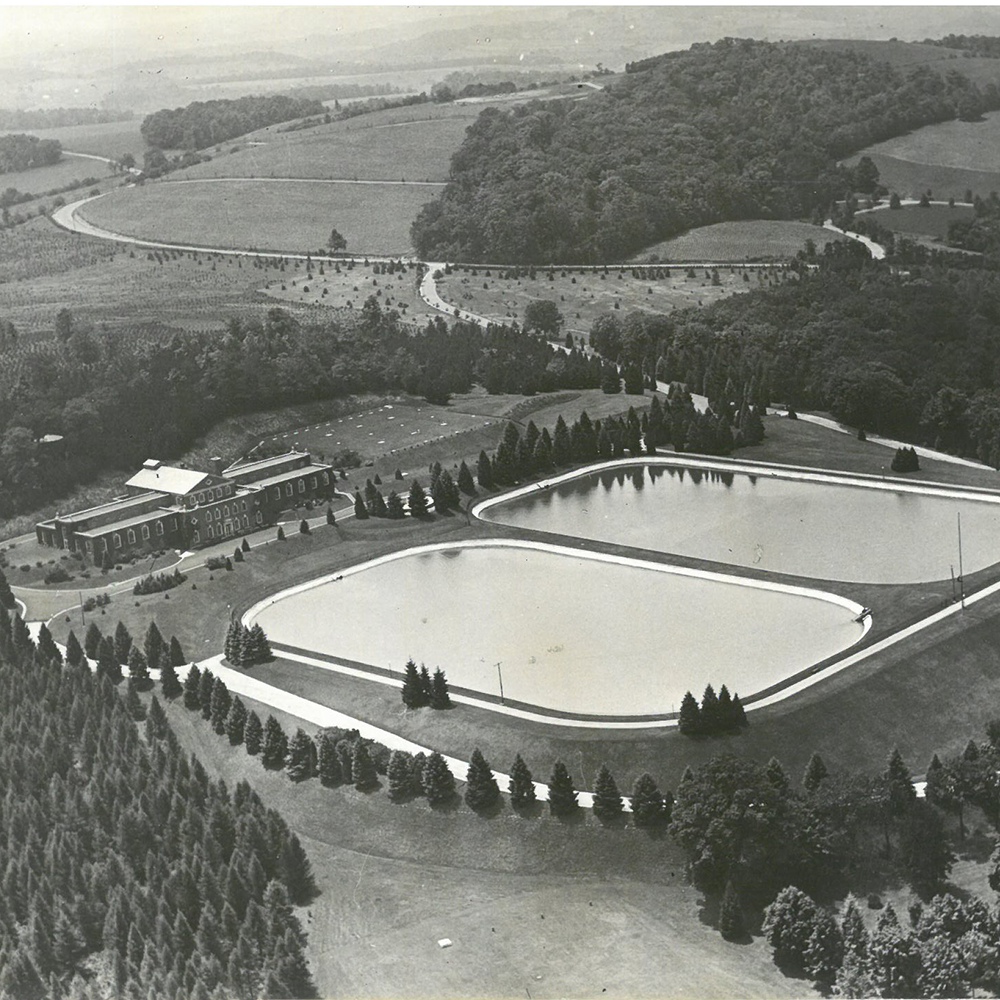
column 827, row 532
column 570, row 633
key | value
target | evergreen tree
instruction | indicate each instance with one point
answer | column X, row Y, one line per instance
column 169, row 684
column 328, row 762
column 275, row 746
column 438, row 782
column 280, row 534
column 74, row 651
column 379, row 507
column 205, row 690
column 607, row 799
column 156, row 721
column 689, row 720
column 7, row 599
column 244, row 544
column 731, row 924
column 394, row 509
column 236, row 722
column 175, row 654
column 221, row 702
column 740, row 719
column 465, row 483
column 562, row 794
column 133, row 703
column 414, row 695
column 647, row 802
column 611, row 382
column 360, row 510
column 296, row 872
column 710, row 711
column 138, row 672
column 229, row 645
column 92, row 641
column 425, row 683
column 481, row 790
column 301, row 756
column 362, row 769
column 152, row 644
column 253, row 734
column 776, row 775
column 439, row 698
column 724, row 710
column 256, row 648
column 561, row 448
column 345, row 754
column 522, row 788
column 107, row 663
column 330, row 516
column 484, row 471
column 398, row 774
column 303, row 527
column 417, row 500
column 123, row 643
column 815, row 773
column 47, row 647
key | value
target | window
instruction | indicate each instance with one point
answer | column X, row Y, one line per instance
column 201, row 498
column 244, row 505
column 197, row 537
column 302, row 486
column 218, row 514
column 225, row 510
column 145, row 532
column 277, row 492
column 326, row 478
column 218, row 493
column 260, row 517
column 312, row 483
column 246, row 520
column 90, row 546
column 159, row 527
column 288, row 489
column 118, row 540
column 131, row 537
column 208, row 531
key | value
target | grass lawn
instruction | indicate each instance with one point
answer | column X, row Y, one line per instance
column 283, row 216
column 413, row 143
column 759, row 239
column 350, row 287
column 583, row 296
column 532, row 904
column 39, row 249
column 930, row 221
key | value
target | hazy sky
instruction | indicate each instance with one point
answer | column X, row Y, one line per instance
column 33, row 32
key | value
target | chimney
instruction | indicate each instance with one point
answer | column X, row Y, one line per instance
column 218, row 464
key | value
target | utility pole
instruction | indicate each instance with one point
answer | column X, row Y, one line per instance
column 961, row 571
column 83, row 614
column 500, row 678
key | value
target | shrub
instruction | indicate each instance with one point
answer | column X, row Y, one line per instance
column 57, row 575
column 155, row 584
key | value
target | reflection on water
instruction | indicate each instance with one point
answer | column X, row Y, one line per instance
column 828, row 532
column 569, row 633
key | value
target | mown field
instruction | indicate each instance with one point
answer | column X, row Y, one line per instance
column 110, row 139
column 413, row 143
column 932, row 221
column 68, row 170
column 946, row 159
column 756, row 240
column 583, row 296
column 39, row 248
column 258, row 214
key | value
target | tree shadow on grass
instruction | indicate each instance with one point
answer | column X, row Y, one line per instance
column 492, row 812
column 574, row 817
column 448, row 806
column 533, row 811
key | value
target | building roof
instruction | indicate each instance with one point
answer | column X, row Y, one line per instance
column 167, row 478
column 262, row 464
column 303, row 470
column 128, row 522
column 119, row 504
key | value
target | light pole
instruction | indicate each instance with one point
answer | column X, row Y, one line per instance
column 500, row 678
column 961, row 571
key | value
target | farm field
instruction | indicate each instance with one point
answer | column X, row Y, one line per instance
column 947, row 159
column 110, row 139
column 67, row 171
column 414, row 143
column 111, row 286
column 258, row 214
column 510, row 892
column 755, row 240
column 350, row 287
column 583, row 296
column 932, row 221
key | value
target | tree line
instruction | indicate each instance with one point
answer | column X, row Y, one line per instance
column 737, row 129
column 25, row 152
column 132, row 871
column 206, row 123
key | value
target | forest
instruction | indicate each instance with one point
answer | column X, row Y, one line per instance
column 737, row 129
column 207, row 123
column 118, row 400
column 912, row 353
column 127, row 871
column 23, row 152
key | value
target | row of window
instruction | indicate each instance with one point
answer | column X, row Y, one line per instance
column 223, row 530
column 144, row 531
column 207, row 496
column 289, row 490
